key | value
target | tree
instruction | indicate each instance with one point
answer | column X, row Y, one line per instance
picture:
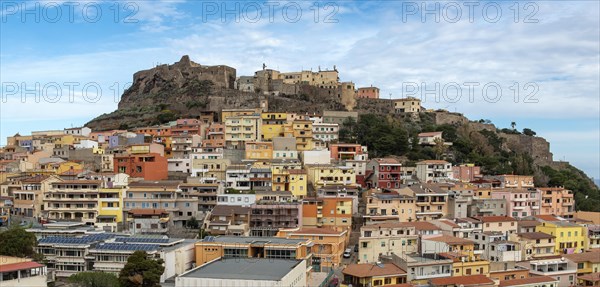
column 94, row 279
column 192, row 223
column 513, row 125
column 19, row 243
column 440, row 148
column 528, row 132
column 141, row 271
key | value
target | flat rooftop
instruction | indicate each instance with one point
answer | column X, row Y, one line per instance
column 245, row 268
column 253, row 240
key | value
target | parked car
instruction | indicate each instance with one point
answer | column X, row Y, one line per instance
column 347, row 253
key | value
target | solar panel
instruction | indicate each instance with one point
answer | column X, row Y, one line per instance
column 142, row 240
column 128, row 247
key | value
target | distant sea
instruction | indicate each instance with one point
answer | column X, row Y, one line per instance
column 597, row 181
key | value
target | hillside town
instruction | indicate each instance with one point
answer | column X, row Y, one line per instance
column 254, row 197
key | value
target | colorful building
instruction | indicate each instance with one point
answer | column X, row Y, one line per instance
column 557, row 201
column 328, row 245
column 383, row 274
column 570, row 237
column 151, row 166
column 259, row 150
column 383, row 173
column 333, row 213
column 520, row 202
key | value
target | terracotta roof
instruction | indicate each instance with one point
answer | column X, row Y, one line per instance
column 35, row 179
column 473, row 280
column 434, row 161
column 157, row 183
column 386, row 160
column 373, row 270
column 449, row 239
column 77, row 182
column 494, row 218
column 535, row 235
column 592, row 256
column 420, row 225
column 528, row 223
column 594, row 277
column 226, row 210
column 19, row 266
column 296, row 171
column 449, row 223
column 526, row 281
column 547, row 217
column 317, row 231
column 147, row 211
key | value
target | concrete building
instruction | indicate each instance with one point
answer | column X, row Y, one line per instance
column 338, row 117
column 151, row 166
column 325, row 132
column 557, row 201
column 420, row 269
column 407, row 105
column 229, row 220
column 28, row 199
column 534, row 245
column 434, row 170
column 367, row 93
column 562, row 270
column 328, row 245
column 487, row 206
column 531, row 282
column 570, row 237
column 262, row 272
column 75, row 200
column 330, row 175
column 241, row 129
column 346, row 151
column 269, row 216
column 430, row 138
column 334, row 213
column 504, row 224
column 466, row 172
column 385, row 239
column 520, row 202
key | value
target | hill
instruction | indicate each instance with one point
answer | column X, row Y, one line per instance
column 186, row 88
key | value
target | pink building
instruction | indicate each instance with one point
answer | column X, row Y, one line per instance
column 368, row 93
column 520, row 202
column 557, row 201
column 466, row 172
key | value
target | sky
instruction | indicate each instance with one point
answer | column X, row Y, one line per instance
column 535, row 63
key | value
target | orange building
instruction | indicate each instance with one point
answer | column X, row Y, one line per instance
column 328, row 245
column 368, row 93
column 341, row 151
column 557, row 201
column 215, row 136
column 334, row 213
column 150, row 166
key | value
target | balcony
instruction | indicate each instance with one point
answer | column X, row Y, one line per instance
column 422, row 203
column 547, row 204
column 570, row 203
column 432, row 275
column 519, row 207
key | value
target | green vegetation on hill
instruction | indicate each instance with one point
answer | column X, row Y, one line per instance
column 386, row 135
column 18, row 243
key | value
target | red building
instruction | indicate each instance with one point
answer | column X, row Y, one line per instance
column 187, row 127
column 150, row 166
column 368, row 93
column 466, row 172
column 384, row 173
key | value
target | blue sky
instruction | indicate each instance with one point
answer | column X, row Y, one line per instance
column 549, row 47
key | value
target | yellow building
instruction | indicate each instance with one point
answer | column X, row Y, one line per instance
column 241, row 129
column 324, row 175
column 259, row 150
column 386, row 274
column 110, row 208
column 281, row 176
column 67, row 166
column 226, row 113
column 570, row 237
column 272, row 125
column 328, row 245
column 302, row 131
column 386, row 239
column 407, row 105
column 587, row 262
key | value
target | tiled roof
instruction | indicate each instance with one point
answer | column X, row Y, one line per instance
column 535, row 235
column 386, row 160
column 35, row 179
column 528, row 223
column 226, row 210
column 449, row 223
column 420, row 225
column 77, row 182
column 527, row 281
column 473, row 280
column 158, row 183
column 430, row 134
column 547, row 217
column 373, row 270
column 147, row 211
column 449, row 239
column 594, row 277
column 494, row 218
column 592, row 256
column 317, row 231
column 19, row 266
column 433, row 161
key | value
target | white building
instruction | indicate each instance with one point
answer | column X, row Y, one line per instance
column 236, row 199
column 80, row 131
column 246, row 272
column 316, row 157
column 434, row 170
column 85, row 144
column 179, row 165
column 325, row 132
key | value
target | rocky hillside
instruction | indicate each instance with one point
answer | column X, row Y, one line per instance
column 185, row 88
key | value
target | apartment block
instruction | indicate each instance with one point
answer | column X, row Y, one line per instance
column 242, row 129
column 385, row 239
column 75, row 200
column 28, row 199
column 557, row 201
column 384, row 173
column 534, row 245
column 151, row 166
column 434, row 170
column 328, row 245
column 322, row 175
column 332, row 213
column 520, row 202
column 407, row 105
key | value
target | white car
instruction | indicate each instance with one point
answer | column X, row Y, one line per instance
column 347, row 253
